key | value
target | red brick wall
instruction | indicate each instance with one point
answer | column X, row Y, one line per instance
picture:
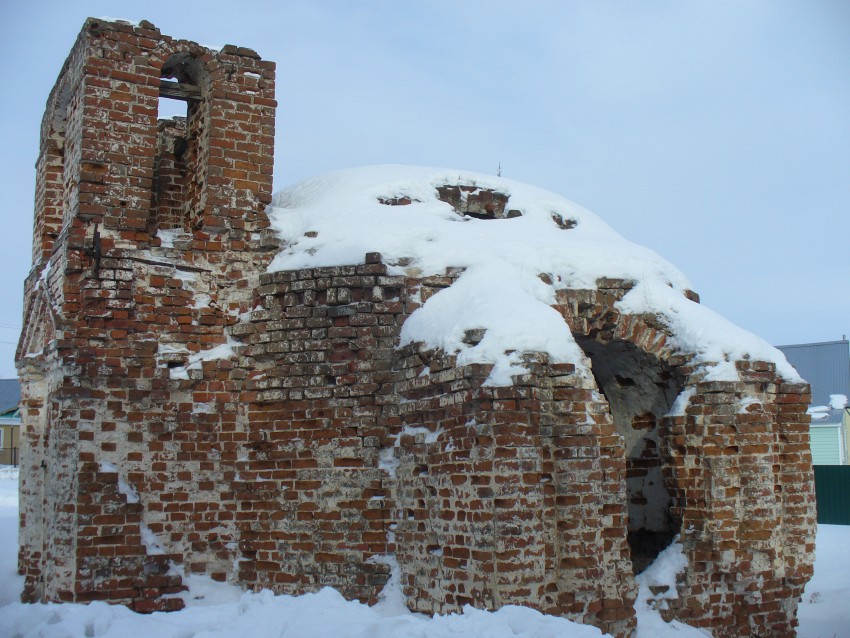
column 518, row 497
column 170, row 175
column 738, row 469
column 102, row 389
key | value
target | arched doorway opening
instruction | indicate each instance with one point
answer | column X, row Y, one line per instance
column 640, row 390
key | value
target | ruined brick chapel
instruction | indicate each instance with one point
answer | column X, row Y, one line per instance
column 189, row 410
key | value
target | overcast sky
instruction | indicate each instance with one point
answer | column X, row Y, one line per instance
column 716, row 133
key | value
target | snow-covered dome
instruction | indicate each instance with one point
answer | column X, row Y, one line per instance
column 517, row 244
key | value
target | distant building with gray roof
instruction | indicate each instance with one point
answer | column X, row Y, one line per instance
column 826, row 367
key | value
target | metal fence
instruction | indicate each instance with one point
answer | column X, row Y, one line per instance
column 832, row 488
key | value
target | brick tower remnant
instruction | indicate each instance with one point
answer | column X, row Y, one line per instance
column 187, row 410
column 149, row 239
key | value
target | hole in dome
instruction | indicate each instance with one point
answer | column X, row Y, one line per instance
column 397, row 201
column 563, row 224
column 475, row 202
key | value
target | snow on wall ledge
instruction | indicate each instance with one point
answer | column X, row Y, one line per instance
column 515, row 255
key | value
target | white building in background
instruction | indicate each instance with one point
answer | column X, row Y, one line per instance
column 826, row 366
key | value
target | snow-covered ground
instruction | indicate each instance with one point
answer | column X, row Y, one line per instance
column 825, row 610
column 214, row 610
column 10, row 583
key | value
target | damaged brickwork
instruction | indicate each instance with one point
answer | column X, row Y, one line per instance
column 184, row 411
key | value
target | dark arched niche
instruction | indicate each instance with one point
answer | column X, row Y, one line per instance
column 640, row 391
